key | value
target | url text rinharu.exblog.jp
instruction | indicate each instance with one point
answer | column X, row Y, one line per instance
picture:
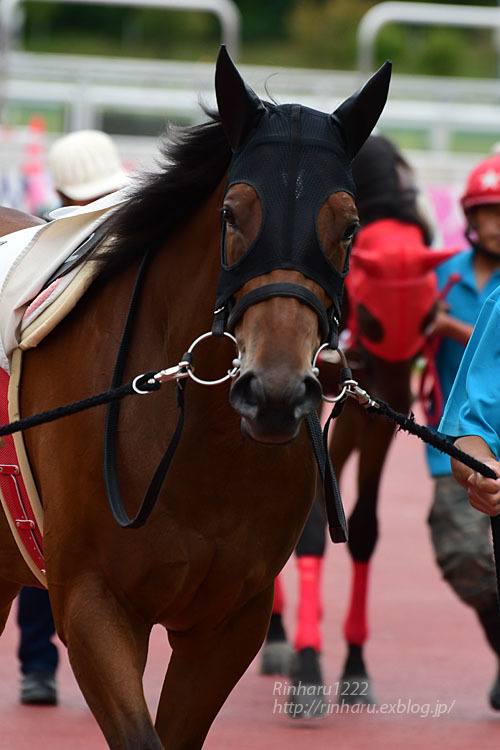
column 331, row 699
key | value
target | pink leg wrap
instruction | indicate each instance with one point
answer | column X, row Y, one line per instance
column 309, row 609
column 356, row 624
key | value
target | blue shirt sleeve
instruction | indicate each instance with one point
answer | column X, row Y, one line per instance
column 473, row 407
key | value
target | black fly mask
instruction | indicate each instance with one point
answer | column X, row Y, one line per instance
column 294, row 158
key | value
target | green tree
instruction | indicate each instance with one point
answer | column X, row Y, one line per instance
column 325, row 31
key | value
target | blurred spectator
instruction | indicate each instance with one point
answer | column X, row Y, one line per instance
column 84, row 166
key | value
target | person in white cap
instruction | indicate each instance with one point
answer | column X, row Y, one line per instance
column 84, row 166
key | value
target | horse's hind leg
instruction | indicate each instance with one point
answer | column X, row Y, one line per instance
column 203, row 670
column 356, row 686
column 107, row 649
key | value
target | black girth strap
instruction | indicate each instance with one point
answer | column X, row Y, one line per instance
column 280, row 289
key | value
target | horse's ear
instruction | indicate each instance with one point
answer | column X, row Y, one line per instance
column 358, row 115
column 238, row 105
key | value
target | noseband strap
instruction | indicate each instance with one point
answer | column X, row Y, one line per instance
column 282, row 289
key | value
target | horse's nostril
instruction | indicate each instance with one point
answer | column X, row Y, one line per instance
column 252, row 395
column 308, row 397
column 255, row 391
column 246, row 393
column 273, row 404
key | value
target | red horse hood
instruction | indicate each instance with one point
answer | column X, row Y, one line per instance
column 392, row 288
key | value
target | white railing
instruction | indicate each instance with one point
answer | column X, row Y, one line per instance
column 226, row 11
column 86, row 88
column 421, row 14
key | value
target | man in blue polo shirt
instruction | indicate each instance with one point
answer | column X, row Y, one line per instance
column 472, row 413
column 460, row 535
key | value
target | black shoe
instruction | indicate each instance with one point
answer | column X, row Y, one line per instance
column 39, row 688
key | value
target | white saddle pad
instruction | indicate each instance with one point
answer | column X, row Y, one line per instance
column 29, row 257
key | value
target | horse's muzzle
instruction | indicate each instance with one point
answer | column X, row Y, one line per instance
column 272, row 406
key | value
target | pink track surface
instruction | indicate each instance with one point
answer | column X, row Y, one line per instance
column 426, row 654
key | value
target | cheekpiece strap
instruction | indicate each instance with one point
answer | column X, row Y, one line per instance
column 281, row 289
column 334, row 322
column 219, row 323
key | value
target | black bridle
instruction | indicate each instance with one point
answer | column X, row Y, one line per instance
column 294, row 158
column 335, row 512
column 328, row 322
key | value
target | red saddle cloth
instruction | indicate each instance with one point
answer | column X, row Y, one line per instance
column 15, row 500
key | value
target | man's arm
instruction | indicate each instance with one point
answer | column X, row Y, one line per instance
column 452, row 328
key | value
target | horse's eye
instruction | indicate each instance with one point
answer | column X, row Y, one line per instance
column 351, row 230
column 228, row 216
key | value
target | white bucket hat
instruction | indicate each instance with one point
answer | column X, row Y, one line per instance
column 85, row 165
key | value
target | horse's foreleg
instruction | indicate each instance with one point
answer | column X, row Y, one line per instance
column 204, row 668
column 276, row 652
column 107, row 649
column 306, row 662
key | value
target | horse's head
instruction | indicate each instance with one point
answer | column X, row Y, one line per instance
column 289, row 218
column 392, row 289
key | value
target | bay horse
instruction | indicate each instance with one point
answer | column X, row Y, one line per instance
column 240, row 487
column 391, row 299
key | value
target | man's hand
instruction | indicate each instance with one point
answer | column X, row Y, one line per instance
column 484, row 494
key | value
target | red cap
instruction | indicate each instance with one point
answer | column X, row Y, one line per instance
column 483, row 185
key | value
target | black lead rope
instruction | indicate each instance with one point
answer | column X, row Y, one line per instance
column 110, row 430
column 319, row 440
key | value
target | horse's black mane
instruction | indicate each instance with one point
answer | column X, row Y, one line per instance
column 195, row 160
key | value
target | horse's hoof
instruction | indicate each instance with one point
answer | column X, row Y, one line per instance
column 494, row 694
column 307, row 707
column 307, row 700
column 276, row 658
column 354, row 689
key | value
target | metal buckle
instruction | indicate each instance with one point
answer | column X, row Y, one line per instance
column 230, row 373
column 186, row 368
column 349, row 388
